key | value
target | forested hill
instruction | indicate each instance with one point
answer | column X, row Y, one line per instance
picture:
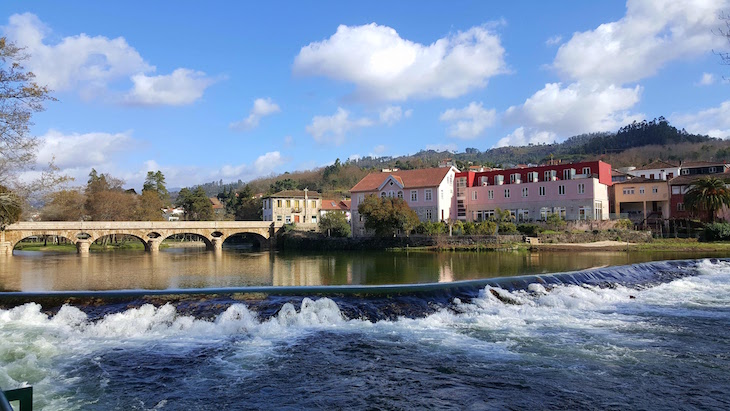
column 634, row 144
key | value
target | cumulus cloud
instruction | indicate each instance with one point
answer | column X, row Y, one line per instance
column 263, row 165
column 262, row 107
column 714, row 122
column 651, row 34
column 554, row 40
column 470, row 121
column 523, row 137
column 334, row 128
column 577, row 108
column 83, row 150
column 180, row 88
column 707, row 79
column 89, row 65
column 393, row 114
column 384, row 66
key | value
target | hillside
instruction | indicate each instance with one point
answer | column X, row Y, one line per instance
column 632, row 145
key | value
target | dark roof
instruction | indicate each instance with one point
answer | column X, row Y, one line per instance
column 426, row 177
column 693, row 164
column 294, row 194
column 688, row 179
column 658, row 164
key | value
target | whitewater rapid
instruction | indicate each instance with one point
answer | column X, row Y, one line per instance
column 582, row 331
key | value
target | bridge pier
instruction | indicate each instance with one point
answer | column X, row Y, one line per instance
column 153, row 245
column 6, row 248
column 82, row 247
column 217, row 244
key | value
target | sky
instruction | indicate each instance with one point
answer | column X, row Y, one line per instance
column 210, row 91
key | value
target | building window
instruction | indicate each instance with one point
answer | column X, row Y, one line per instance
column 713, row 169
column 360, row 198
column 314, row 219
column 506, row 193
column 680, row 206
column 288, row 219
column 532, row 177
column 288, row 203
column 278, row 218
column 484, row 180
column 541, row 190
column 561, row 190
column 566, row 174
column 278, row 203
column 490, row 194
column 382, row 194
column 583, row 213
column 581, row 188
column 685, row 171
column 524, row 191
column 489, row 215
column 400, row 194
column 670, row 176
column 427, row 194
column 474, row 195
column 499, row 179
column 514, row 178
column 442, row 194
column 655, row 189
column 651, row 176
column 429, row 215
column 549, row 175
column 314, row 203
column 587, row 171
column 544, row 213
column 560, row 211
column 414, row 195
column 641, row 190
column 629, row 191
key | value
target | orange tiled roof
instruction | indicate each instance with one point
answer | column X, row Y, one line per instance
column 426, row 177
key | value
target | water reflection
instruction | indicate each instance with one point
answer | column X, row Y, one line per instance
column 197, row 268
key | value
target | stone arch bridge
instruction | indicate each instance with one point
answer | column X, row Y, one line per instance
column 151, row 233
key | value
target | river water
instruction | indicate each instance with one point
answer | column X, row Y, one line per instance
column 604, row 331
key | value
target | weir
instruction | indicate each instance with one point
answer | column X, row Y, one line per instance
column 151, row 233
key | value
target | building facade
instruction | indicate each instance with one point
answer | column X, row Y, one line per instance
column 644, row 201
column 292, row 206
column 657, row 170
column 575, row 191
column 428, row 192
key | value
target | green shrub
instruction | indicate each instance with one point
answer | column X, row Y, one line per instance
column 529, row 229
column 431, row 228
column 555, row 222
column 717, row 232
column 486, row 228
column 470, row 228
column 507, row 228
column 624, row 224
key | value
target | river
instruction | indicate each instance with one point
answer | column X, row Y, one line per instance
column 590, row 330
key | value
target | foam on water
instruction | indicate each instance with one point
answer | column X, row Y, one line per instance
column 608, row 324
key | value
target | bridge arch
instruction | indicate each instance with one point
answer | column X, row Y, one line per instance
column 208, row 243
column 257, row 239
column 99, row 236
column 66, row 236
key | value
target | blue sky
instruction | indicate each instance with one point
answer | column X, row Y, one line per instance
column 230, row 90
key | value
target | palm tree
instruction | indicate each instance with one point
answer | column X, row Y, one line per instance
column 709, row 194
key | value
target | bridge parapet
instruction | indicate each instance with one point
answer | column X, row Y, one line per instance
column 151, row 233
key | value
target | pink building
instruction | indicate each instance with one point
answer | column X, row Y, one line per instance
column 428, row 192
column 577, row 191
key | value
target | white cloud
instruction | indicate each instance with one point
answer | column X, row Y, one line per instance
column 90, row 65
column 651, row 34
column 393, row 114
column 83, row 150
column 354, row 157
column 554, row 40
column 523, row 137
column 379, row 149
column 576, row 109
column 75, row 61
column 334, row 128
column 263, row 165
column 714, row 122
column 470, row 121
column 442, row 147
column 261, row 108
column 707, row 79
column 182, row 87
column 384, row 66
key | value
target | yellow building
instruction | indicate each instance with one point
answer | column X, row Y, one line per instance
column 292, row 206
column 645, row 201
